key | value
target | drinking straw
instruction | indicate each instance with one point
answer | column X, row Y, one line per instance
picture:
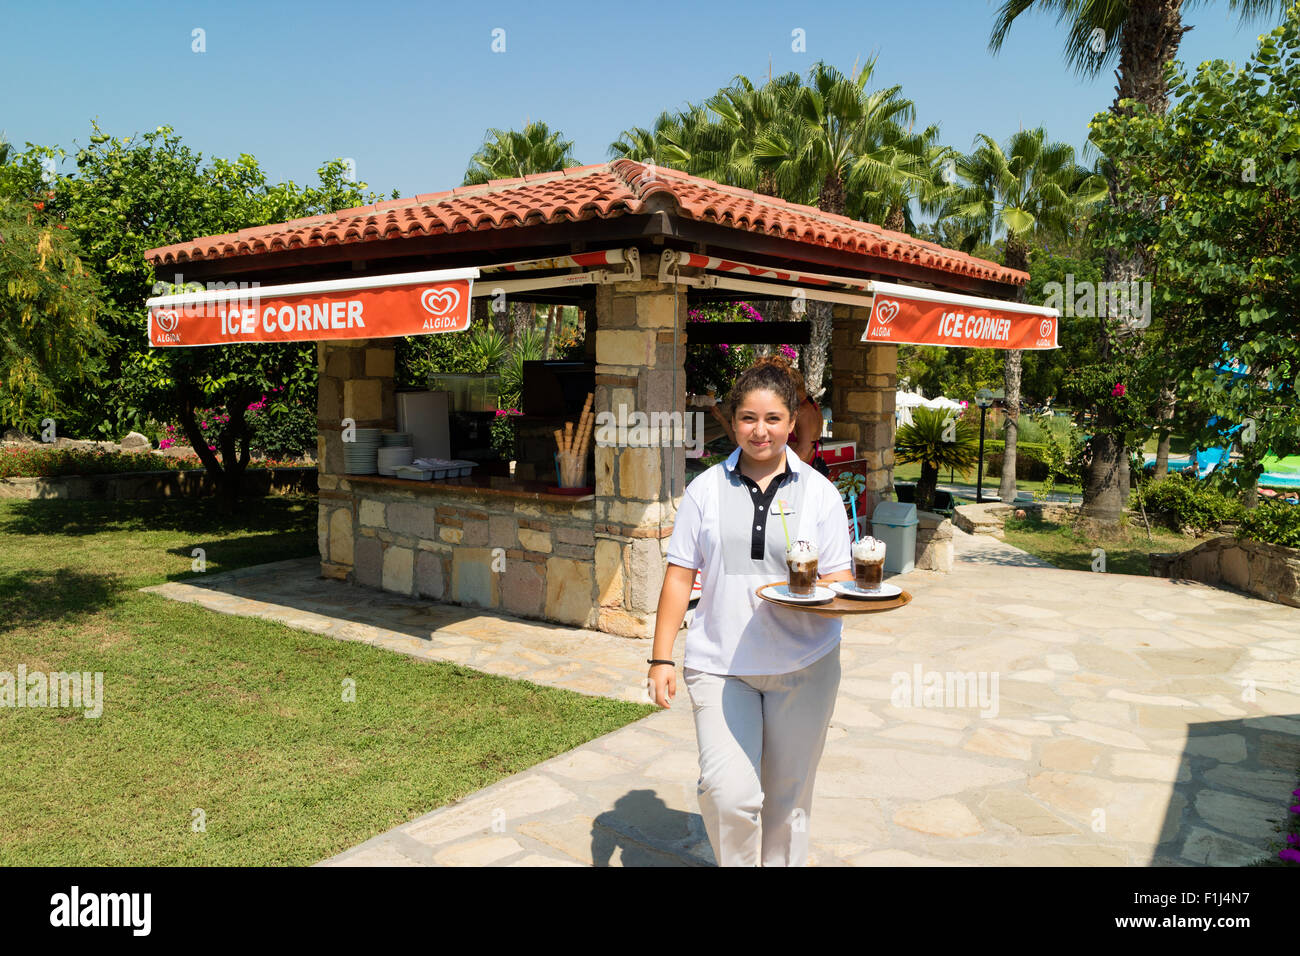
column 853, row 503
column 780, row 506
column 558, row 482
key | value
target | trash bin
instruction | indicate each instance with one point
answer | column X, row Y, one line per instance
column 894, row 522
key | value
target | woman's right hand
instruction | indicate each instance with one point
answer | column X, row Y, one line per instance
column 663, row 683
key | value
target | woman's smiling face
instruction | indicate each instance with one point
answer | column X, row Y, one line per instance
column 762, row 424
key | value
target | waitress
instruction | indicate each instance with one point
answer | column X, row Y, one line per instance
column 762, row 679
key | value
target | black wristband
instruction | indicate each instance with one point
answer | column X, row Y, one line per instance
column 653, row 661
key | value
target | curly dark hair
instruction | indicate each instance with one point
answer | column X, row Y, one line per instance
column 772, row 372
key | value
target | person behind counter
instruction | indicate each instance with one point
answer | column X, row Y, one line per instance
column 762, row 679
column 806, row 437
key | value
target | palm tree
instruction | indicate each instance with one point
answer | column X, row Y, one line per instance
column 903, row 167
column 1032, row 187
column 509, row 155
column 512, row 153
column 824, row 142
column 1142, row 36
column 927, row 440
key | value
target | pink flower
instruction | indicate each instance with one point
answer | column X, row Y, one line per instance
column 165, row 443
column 203, row 425
column 212, row 448
column 1117, row 391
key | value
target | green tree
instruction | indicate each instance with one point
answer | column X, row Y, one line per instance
column 48, row 333
column 938, row 440
column 1141, row 37
column 510, row 154
column 1031, row 187
column 1224, row 162
column 135, row 193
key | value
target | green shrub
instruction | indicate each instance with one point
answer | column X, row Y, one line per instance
column 283, row 429
column 1031, row 461
column 1186, row 504
column 1273, row 521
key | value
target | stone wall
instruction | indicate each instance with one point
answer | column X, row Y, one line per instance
column 527, row 558
column 191, row 483
column 934, row 542
column 866, row 385
column 988, row 517
column 637, row 488
column 1269, row 571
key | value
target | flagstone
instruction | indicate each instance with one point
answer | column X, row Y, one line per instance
column 896, row 773
column 1278, row 751
column 1026, row 816
column 1103, row 712
column 1111, row 736
column 891, row 858
column 999, row 743
column 853, row 714
column 1127, row 811
column 1207, row 848
column 1155, row 700
column 1286, row 725
column 1069, row 755
column 587, row 765
column 382, row 854
column 922, row 733
column 949, row 717
column 536, row 859
column 1029, row 727
column 1270, row 784
column 1226, row 748
column 1150, row 767
column 636, row 746
column 944, row 817
column 479, row 853
column 1238, row 815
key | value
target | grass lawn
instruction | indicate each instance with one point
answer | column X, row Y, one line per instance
column 1059, row 544
column 239, row 718
column 912, row 471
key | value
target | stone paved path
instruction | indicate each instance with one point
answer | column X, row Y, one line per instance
column 1124, row 732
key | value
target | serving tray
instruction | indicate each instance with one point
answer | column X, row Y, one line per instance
column 839, row 605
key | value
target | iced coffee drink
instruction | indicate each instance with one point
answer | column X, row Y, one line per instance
column 801, row 560
column 868, row 563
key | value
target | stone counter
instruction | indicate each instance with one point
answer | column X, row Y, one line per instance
column 482, row 542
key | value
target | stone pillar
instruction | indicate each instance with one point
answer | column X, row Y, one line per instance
column 637, row 488
column 355, row 381
column 866, row 383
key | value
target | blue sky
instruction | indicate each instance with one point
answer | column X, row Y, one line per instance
column 407, row 90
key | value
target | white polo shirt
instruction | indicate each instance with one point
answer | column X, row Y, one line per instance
column 723, row 529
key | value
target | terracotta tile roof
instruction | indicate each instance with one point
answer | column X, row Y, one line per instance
column 604, row 190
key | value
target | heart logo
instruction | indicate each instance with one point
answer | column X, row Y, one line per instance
column 886, row 311
column 440, row 300
column 1045, row 328
column 167, row 319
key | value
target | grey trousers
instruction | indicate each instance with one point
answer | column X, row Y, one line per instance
column 760, row 740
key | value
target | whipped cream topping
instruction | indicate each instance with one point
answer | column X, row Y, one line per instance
column 869, row 549
column 801, row 550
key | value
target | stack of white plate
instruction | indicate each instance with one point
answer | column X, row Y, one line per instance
column 394, row 439
column 359, row 454
column 390, row 457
